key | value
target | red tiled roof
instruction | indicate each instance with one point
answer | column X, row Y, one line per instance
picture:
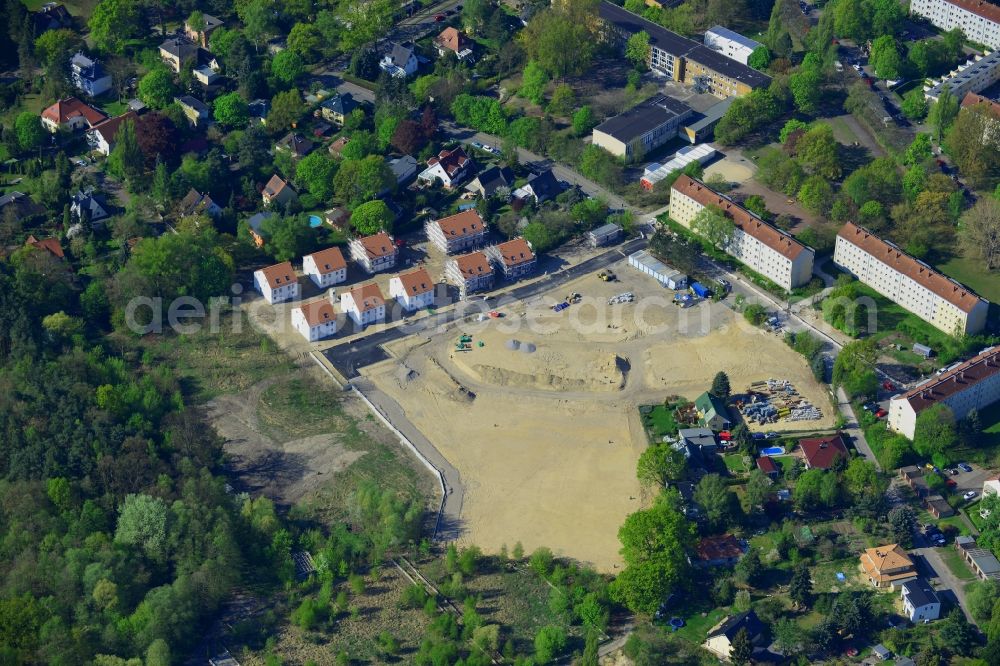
column 279, row 275
column 378, row 245
column 318, row 312
column 109, row 128
column 451, row 161
column 71, row 107
column 820, row 452
column 721, row 547
column 274, row 186
column 367, row 297
column 515, row 252
column 978, row 368
column 766, row 465
column 972, row 99
column 451, row 39
column 987, row 10
column 50, row 245
column 466, row 223
column 473, row 265
column 416, row 282
column 329, row 260
column 957, row 294
column 744, row 220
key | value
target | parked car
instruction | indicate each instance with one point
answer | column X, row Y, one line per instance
column 938, row 539
column 725, row 436
column 965, row 467
column 880, row 413
column 950, row 484
column 888, row 386
column 438, row 18
column 771, row 435
column 757, row 435
column 969, row 495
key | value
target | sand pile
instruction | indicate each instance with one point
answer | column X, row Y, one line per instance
column 521, row 364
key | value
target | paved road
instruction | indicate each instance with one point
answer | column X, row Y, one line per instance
column 935, row 568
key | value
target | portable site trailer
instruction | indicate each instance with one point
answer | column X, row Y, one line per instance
column 659, row 271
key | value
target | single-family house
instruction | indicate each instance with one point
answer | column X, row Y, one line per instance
column 337, row 217
column 991, row 486
column 495, row 181
column 326, row 267
column 21, row 204
column 102, row 135
column 457, row 233
column 315, row 320
column 451, row 167
column 712, row 412
column 258, row 110
column 337, row 108
column 541, row 187
column 295, row 144
column 454, row 41
column 87, row 205
column 51, row 16
column 256, row 227
column 374, row 253
column 196, row 203
column 400, row 62
column 882, row 653
column 470, row 273
column 920, row 601
column 363, row 304
column 178, row 52
column 767, row 465
column 983, row 563
column 605, row 234
column 278, row 192
column 720, row 637
column 50, row 245
column 71, row 114
column 723, row 550
column 278, row 283
column 887, row 566
column 88, row 76
column 194, row 109
column 205, row 75
column 413, row 290
column 403, row 168
column 696, row 444
column 514, row 258
column 199, row 34
column 823, row 452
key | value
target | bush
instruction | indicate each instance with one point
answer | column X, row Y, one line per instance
column 755, row 314
column 541, row 561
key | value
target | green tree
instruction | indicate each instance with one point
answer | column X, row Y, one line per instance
column 919, row 150
column 885, row 58
column 372, row 217
column 816, row 195
column 713, row 496
column 943, row 113
column 286, row 109
column 289, row 236
column 126, row 159
column 760, row 58
column 563, row 100
column 29, row 130
column 757, row 489
column 714, row 226
column 902, row 521
column 749, row 569
column 56, row 47
column 583, row 120
column 637, row 48
column 854, row 368
column 660, row 463
column 800, row 585
column 788, row 636
column 914, row 105
column 287, row 66
column 115, row 21
column 142, row 522
column 807, row 90
column 358, row 181
column 533, row 82
column 956, row 634
column 720, row 385
column 742, row 648
column 817, row 151
column 935, row 431
column 315, row 173
column 563, row 38
column 231, row 110
column 549, row 642
column 157, row 88
column 655, row 543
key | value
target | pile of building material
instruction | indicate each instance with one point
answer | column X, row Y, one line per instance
column 776, row 400
column 626, row 297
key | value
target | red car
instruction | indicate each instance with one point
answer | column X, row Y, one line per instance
column 438, row 18
column 880, row 413
column 888, row 386
column 950, row 483
column 726, row 436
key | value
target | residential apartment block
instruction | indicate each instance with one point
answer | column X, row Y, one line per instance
column 642, row 128
column 514, row 258
column 457, row 233
column 976, row 76
column 762, row 247
column 683, row 59
column 978, row 19
column 374, row 253
column 470, row 272
column 974, row 384
column 938, row 300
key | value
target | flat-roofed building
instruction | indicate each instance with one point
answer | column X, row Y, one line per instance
column 762, row 247
column 978, row 19
column 974, row 384
column 642, row 128
column 975, row 76
column 731, row 44
column 935, row 298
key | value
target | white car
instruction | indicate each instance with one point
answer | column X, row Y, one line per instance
column 969, row 495
column 857, row 67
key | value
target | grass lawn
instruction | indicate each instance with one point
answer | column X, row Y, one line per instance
column 824, row 575
column 784, row 462
column 114, row 108
column 956, row 564
column 975, row 518
column 659, row 421
column 697, row 625
column 83, row 8
column 990, row 418
column 734, row 463
column 971, row 273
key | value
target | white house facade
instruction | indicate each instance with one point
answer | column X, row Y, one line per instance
column 457, row 233
column 920, row 601
column 88, row 76
column 938, row 300
column 760, row 246
column 980, row 21
column 974, row 384
column 364, row 305
column 413, row 290
column 514, row 258
column 326, row 267
column 277, row 283
column 316, row 320
column 470, row 273
column 374, row 253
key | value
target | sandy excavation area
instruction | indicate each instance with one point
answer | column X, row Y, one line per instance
column 547, row 441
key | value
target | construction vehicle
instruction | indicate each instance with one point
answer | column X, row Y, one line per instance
column 463, row 346
column 465, row 338
column 573, row 298
column 608, row 276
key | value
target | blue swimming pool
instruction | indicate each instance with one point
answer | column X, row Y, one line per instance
column 315, row 221
column 772, row 451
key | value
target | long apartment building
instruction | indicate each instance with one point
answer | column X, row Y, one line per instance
column 683, row 59
column 974, row 384
column 973, row 77
column 978, row 19
column 762, row 247
column 935, row 298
